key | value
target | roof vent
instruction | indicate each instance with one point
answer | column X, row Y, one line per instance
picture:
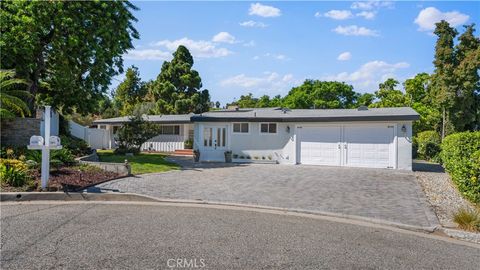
column 285, row 110
column 363, row 108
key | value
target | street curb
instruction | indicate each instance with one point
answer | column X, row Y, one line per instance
column 133, row 197
column 71, row 196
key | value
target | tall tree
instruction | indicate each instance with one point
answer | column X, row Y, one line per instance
column 466, row 115
column 443, row 82
column 321, row 95
column 130, row 92
column 68, row 50
column 177, row 89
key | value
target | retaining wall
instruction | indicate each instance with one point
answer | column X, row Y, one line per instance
column 93, row 160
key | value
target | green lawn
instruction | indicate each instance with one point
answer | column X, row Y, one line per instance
column 141, row 163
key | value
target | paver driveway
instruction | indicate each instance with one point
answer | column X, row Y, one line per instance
column 388, row 195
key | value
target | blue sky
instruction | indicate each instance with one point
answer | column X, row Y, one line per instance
column 268, row 47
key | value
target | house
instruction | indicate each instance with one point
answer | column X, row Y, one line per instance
column 174, row 131
column 363, row 137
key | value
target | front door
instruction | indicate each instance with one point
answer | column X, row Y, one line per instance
column 214, row 143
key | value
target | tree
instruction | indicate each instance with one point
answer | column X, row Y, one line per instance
column 365, row 99
column 130, row 92
column 177, row 88
column 134, row 133
column 12, row 95
column 217, row 104
column 68, row 50
column 466, row 115
column 442, row 80
column 388, row 96
column 321, row 95
column 418, row 91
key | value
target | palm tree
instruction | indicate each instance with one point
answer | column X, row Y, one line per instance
column 11, row 102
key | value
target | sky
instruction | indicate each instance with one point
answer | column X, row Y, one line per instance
column 269, row 47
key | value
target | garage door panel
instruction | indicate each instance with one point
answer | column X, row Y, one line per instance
column 319, row 145
column 368, row 146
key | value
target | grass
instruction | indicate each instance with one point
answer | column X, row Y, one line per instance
column 468, row 220
column 141, row 163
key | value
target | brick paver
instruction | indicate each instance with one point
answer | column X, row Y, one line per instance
column 388, row 195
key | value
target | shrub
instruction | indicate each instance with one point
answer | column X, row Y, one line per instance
column 134, row 133
column 13, row 172
column 467, row 219
column 461, row 158
column 63, row 155
column 188, row 144
column 428, row 145
column 77, row 147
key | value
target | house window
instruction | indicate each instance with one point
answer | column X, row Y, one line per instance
column 240, row 127
column 270, row 128
column 170, row 130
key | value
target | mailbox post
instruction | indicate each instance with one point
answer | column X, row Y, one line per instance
column 45, row 144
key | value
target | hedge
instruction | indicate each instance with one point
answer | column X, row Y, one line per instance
column 428, row 145
column 461, row 158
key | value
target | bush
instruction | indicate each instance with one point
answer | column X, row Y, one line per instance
column 467, row 219
column 134, row 133
column 13, row 172
column 77, row 147
column 57, row 157
column 461, row 158
column 188, row 144
column 428, row 145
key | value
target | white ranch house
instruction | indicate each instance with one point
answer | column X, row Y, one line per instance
column 364, row 137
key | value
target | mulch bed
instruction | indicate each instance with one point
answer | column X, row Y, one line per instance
column 67, row 179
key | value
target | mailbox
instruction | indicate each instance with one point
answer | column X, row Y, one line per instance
column 54, row 141
column 36, row 140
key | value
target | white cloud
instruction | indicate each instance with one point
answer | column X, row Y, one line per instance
column 427, row 18
column 280, row 57
column 264, row 10
column 253, row 24
column 147, row 54
column 344, row 56
column 336, row 14
column 224, row 37
column 198, row 48
column 369, row 75
column 367, row 14
column 270, row 82
column 251, row 43
column 353, row 30
column 369, row 5
column 256, row 57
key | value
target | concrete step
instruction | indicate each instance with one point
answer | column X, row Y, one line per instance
column 183, row 152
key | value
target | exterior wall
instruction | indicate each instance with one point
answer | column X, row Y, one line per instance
column 404, row 146
column 282, row 146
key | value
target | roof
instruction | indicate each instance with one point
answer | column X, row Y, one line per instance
column 308, row 115
column 280, row 115
column 165, row 119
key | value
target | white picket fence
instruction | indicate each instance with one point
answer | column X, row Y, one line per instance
column 96, row 138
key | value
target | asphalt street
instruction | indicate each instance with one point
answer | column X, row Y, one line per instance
column 132, row 236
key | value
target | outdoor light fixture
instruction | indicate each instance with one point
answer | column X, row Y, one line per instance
column 288, row 129
column 404, row 129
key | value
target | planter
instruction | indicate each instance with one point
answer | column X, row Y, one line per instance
column 196, row 155
column 228, row 156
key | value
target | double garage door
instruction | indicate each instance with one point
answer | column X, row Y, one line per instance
column 362, row 145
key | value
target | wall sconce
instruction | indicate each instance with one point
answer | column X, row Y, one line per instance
column 404, row 129
column 288, row 129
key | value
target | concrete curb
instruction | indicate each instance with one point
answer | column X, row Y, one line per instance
column 133, row 197
column 71, row 196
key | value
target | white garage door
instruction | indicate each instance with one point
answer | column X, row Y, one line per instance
column 319, row 145
column 368, row 145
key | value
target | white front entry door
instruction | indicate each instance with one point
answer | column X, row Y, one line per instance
column 369, row 146
column 320, row 145
column 214, row 143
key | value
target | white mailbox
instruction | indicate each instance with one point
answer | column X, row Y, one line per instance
column 54, row 141
column 36, row 142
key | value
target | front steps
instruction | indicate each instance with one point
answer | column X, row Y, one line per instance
column 183, row 152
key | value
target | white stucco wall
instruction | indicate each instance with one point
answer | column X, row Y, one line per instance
column 282, row 145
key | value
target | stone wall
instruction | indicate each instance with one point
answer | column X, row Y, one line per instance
column 18, row 131
column 93, row 160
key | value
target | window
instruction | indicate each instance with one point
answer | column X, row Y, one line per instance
column 268, row 128
column 170, row 130
column 240, row 127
